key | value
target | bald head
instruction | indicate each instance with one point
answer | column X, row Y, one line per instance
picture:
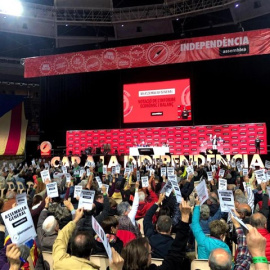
column 258, row 220
column 220, row 259
column 244, row 210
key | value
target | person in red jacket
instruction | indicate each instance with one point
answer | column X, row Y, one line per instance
column 259, row 221
column 145, row 201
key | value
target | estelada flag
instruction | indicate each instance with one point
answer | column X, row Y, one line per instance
column 13, row 125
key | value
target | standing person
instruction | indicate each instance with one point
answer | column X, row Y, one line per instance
column 257, row 144
column 214, row 142
column 185, row 113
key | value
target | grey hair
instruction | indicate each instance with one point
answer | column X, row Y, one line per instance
column 241, row 199
column 164, row 224
column 224, row 265
column 49, row 224
column 122, row 208
column 204, row 212
column 141, row 196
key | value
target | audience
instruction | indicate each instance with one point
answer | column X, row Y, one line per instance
column 67, row 232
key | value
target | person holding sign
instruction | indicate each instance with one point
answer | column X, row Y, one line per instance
column 86, row 222
column 206, row 244
column 159, row 239
column 47, row 228
column 138, row 253
column 110, row 227
column 81, row 246
column 127, row 215
column 16, row 257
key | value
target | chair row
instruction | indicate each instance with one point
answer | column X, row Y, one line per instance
column 20, row 187
column 100, row 260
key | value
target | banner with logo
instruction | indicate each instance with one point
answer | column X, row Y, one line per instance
column 228, row 45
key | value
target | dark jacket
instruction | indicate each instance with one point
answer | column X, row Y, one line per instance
column 46, row 240
column 176, row 258
column 99, row 247
column 85, row 224
column 160, row 243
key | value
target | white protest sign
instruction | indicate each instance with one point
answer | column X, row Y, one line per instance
column 226, row 200
column 267, row 173
column 99, row 181
column 190, row 170
column 68, row 177
column 170, row 171
column 138, row 175
column 238, row 219
column 104, row 169
column 113, row 170
column 101, row 234
column 145, row 182
column 76, row 173
column 88, row 172
column 127, row 171
column 245, row 171
column 260, row 176
column 202, row 192
column 176, row 188
column 21, row 198
column 213, row 168
column 87, row 163
column 77, row 191
column 19, row 224
column 167, row 189
column 45, row 174
column 209, row 176
column 82, row 171
column 86, row 199
column 64, row 169
column 117, row 169
column 267, row 164
column 163, row 171
column 52, row 190
column 221, row 173
column 222, row 184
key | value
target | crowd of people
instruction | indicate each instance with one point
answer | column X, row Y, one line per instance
column 172, row 226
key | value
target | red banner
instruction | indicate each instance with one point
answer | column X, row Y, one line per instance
column 152, row 54
column 182, row 140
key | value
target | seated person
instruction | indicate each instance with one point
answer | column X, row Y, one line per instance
column 159, row 239
column 110, row 227
column 205, row 217
column 206, row 244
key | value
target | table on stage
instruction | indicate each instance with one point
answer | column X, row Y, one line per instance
column 149, row 150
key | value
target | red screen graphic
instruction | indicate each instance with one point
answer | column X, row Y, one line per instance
column 157, row 101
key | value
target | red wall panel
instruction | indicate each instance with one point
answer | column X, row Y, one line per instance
column 237, row 138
